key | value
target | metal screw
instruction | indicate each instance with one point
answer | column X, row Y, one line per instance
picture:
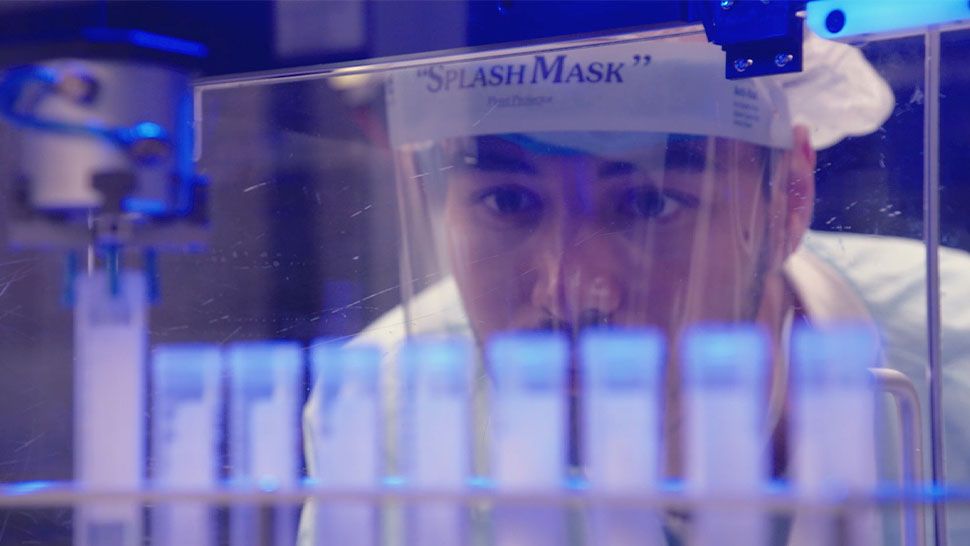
column 783, row 59
column 742, row 64
column 726, row 4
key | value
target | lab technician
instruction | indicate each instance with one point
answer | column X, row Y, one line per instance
column 631, row 184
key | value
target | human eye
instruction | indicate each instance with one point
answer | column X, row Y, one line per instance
column 649, row 203
column 509, row 200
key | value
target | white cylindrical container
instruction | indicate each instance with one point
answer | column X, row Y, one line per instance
column 436, row 435
column 186, row 421
column 622, row 377
column 725, row 393
column 528, row 434
column 348, row 440
column 833, row 424
column 264, row 400
column 110, row 340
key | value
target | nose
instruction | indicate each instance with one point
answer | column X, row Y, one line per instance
column 579, row 279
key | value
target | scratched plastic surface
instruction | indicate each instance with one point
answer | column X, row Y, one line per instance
column 312, row 238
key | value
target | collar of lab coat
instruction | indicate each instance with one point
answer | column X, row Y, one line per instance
column 825, row 295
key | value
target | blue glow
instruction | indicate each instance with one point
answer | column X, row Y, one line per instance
column 148, row 129
column 127, row 136
column 179, row 371
column 25, row 488
column 480, row 482
column 268, row 484
column 255, row 366
column 529, row 360
column 725, row 354
column 310, row 482
column 146, row 39
column 838, row 355
column 184, row 149
column 618, row 358
column 874, row 16
column 575, row 483
column 149, row 207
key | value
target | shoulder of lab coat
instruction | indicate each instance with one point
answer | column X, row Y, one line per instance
column 889, row 275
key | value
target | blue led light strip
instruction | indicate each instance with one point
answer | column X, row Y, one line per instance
column 842, row 18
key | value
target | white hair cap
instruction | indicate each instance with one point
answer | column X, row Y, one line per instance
column 838, row 94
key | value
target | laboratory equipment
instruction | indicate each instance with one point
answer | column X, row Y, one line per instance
column 437, row 434
column 106, row 140
column 622, row 397
column 348, row 449
column 187, row 414
column 306, row 239
column 725, row 373
column 110, row 343
column 104, row 170
column 264, row 387
column 835, row 404
column 529, row 434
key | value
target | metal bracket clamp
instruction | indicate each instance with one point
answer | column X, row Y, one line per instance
column 759, row 37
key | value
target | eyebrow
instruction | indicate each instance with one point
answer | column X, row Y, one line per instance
column 497, row 161
column 617, row 168
column 685, row 155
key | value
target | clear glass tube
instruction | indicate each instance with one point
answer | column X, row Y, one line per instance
column 187, row 409
column 347, row 443
column 528, row 433
column 622, row 373
column 110, row 342
column 725, row 394
column 832, row 415
column 437, row 439
column 264, row 381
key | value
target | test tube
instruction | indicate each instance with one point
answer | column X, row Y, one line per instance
column 833, row 416
column 436, row 435
column 347, row 447
column 724, row 393
column 622, row 378
column 187, row 404
column 264, row 389
column 528, row 434
column 109, row 398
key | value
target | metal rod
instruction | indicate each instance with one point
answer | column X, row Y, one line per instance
column 769, row 498
column 151, row 274
column 931, row 232
column 70, row 275
column 911, row 425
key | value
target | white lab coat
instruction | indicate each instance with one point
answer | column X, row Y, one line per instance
column 837, row 277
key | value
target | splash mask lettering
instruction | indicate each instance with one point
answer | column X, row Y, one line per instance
column 555, row 70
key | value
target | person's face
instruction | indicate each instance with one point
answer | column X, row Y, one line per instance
column 665, row 234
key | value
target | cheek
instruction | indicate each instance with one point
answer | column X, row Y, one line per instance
column 702, row 271
column 493, row 271
column 728, row 271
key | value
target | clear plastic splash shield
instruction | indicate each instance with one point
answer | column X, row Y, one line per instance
column 624, row 183
column 562, row 231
